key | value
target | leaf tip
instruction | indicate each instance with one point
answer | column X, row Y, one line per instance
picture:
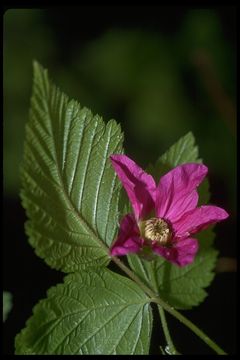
column 191, row 136
column 36, row 65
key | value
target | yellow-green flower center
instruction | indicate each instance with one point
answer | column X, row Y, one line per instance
column 156, row 229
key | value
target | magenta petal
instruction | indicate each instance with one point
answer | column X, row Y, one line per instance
column 128, row 240
column 176, row 192
column 139, row 186
column 181, row 254
column 198, row 219
column 131, row 245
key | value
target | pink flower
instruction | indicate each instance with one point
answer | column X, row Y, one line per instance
column 165, row 216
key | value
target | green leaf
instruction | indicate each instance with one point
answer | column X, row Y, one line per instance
column 70, row 190
column 94, row 312
column 183, row 151
column 182, row 287
column 206, row 238
column 7, row 304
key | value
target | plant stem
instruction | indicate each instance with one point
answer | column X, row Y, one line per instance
column 192, row 327
column 134, row 277
column 155, row 298
column 171, row 347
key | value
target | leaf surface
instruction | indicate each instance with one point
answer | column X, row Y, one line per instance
column 94, row 312
column 70, row 191
column 183, row 287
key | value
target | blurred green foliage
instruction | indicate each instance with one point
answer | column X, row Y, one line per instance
column 149, row 81
column 7, row 304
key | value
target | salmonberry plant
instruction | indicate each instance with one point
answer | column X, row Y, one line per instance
column 80, row 219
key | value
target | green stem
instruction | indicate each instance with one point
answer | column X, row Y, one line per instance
column 155, row 298
column 171, row 347
column 134, row 277
column 192, row 327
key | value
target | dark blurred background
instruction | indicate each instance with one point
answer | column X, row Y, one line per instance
column 160, row 72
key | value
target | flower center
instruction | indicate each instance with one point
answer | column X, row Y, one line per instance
column 156, row 229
